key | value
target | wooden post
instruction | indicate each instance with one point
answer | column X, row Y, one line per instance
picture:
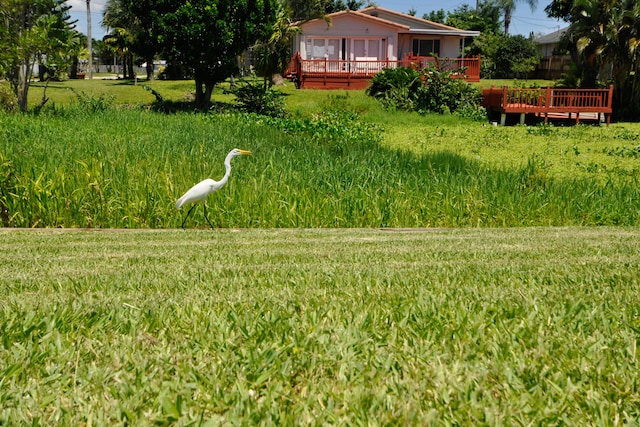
column 548, row 97
column 89, row 47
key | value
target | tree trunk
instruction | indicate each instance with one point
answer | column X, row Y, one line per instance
column 203, row 94
column 124, row 67
column 132, row 74
column 73, row 70
column 150, row 70
column 20, row 78
column 590, row 72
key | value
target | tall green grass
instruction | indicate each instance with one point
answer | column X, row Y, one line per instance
column 125, row 168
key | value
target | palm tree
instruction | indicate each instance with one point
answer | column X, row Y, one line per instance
column 117, row 17
column 133, row 32
column 593, row 33
column 272, row 55
column 508, row 6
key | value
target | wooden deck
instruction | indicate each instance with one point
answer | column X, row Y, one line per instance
column 550, row 103
column 357, row 74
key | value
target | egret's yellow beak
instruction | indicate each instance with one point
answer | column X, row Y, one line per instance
column 246, row 152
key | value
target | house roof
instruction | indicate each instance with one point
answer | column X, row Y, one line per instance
column 355, row 14
column 402, row 22
column 410, row 20
column 551, row 37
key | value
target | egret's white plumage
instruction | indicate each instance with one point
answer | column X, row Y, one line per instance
column 200, row 191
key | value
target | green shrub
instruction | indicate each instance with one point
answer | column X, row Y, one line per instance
column 8, row 101
column 339, row 129
column 94, row 104
column 425, row 91
column 255, row 98
column 441, row 93
column 473, row 112
column 396, row 88
column 515, row 57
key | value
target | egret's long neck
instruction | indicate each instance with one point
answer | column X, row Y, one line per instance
column 227, row 166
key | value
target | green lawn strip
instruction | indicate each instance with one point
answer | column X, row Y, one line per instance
column 355, row 326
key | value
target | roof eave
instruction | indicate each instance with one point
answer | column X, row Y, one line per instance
column 438, row 32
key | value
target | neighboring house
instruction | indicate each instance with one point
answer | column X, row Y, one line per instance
column 357, row 44
column 551, row 66
column 548, row 43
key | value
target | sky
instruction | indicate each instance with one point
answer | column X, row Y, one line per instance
column 523, row 20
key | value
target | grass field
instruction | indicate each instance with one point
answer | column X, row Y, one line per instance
column 372, row 267
column 533, row 326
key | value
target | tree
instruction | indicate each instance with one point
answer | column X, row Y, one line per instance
column 508, row 6
column 135, row 27
column 32, row 31
column 207, row 36
column 118, row 19
column 272, row 55
column 304, row 10
column 78, row 50
column 121, row 40
column 515, row 57
column 560, row 9
column 605, row 35
column 438, row 16
column 485, row 19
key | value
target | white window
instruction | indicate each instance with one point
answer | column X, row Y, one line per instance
column 321, row 48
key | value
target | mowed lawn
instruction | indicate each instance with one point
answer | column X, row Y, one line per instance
column 514, row 326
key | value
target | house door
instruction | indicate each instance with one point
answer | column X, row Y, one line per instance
column 366, row 48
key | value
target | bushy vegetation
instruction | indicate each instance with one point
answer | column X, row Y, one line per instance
column 442, row 93
column 515, row 56
column 8, row 100
column 253, row 97
column 396, row 88
column 125, row 168
column 426, row 91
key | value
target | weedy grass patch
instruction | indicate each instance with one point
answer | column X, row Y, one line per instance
column 285, row 327
column 93, row 164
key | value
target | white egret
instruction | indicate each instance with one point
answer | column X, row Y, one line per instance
column 200, row 191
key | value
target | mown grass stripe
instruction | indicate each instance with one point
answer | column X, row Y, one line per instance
column 463, row 326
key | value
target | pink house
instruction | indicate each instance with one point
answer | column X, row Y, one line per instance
column 358, row 44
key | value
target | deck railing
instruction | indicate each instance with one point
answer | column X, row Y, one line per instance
column 543, row 101
column 302, row 69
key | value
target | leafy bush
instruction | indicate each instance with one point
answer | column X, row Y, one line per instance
column 8, row 101
column 425, row 91
column 256, row 98
column 442, row 93
column 94, row 104
column 473, row 112
column 396, row 88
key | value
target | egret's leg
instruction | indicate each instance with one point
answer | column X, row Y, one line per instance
column 206, row 217
column 187, row 216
